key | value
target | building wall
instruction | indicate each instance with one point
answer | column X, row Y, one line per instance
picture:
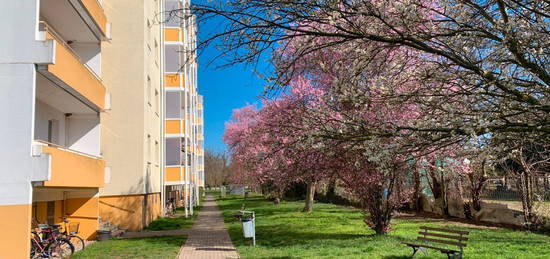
column 129, row 211
column 18, row 167
column 131, row 128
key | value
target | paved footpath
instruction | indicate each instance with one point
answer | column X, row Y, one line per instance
column 208, row 239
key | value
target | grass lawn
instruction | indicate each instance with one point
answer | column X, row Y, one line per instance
column 150, row 247
column 167, row 223
column 335, row 232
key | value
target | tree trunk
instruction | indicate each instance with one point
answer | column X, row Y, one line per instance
column 439, row 192
column 310, row 195
column 526, row 193
column 416, row 202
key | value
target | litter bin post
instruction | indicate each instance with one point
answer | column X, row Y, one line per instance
column 248, row 222
column 222, row 191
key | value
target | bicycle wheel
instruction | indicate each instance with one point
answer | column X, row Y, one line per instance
column 35, row 246
column 34, row 250
column 61, row 248
column 77, row 242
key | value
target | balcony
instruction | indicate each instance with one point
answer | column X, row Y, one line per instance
column 92, row 13
column 70, row 168
column 82, row 20
column 172, row 34
column 174, row 126
column 71, row 73
column 69, row 131
column 173, row 80
column 174, row 175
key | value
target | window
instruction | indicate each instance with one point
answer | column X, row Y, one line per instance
column 53, row 131
column 157, row 101
column 172, row 13
column 50, row 212
column 173, row 147
column 172, row 58
column 157, row 155
column 148, row 147
column 173, row 104
column 149, row 90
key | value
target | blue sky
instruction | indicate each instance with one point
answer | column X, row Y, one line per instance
column 224, row 89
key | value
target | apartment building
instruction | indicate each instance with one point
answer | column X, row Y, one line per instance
column 183, row 119
column 84, row 89
column 131, row 134
column 51, row 95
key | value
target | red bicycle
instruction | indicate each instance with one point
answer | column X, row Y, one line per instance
column 47, row 242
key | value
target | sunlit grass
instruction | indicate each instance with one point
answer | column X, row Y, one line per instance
column 149, row 247
column 335, row 232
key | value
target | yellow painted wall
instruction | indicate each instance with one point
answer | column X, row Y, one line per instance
column 74, row 170
column 127, row 211
column 15, row 224
column 172, row 174
column 172, row 80
column 96, row 11
column 68, row 68
column 86, row 212
column 172, row 34
column 173, row 127
column 131, row 141
column 82, row 210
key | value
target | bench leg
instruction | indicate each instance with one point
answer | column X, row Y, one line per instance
column 454, row 256
column 415, row 249
column 418, row 249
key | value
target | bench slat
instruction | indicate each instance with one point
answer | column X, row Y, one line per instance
column 431, row 247
column 443, row 235
column 441, row 241
column 460, row 232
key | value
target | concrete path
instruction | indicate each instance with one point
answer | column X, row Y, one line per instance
column 208, row 239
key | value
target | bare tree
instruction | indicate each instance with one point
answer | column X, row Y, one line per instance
column 494, row 52
column 216, row 168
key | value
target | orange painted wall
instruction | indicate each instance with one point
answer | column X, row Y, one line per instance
column 86, row 212
column 15, row 223
column 171, row 34
column 74, row 170
column 96, row 11
column 172, row 174
column 127, row 211
column 68, row 68
column 173, row 127
column 172, row 80
column 82, row 210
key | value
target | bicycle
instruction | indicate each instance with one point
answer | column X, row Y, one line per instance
column 49, row 243
column 70, row 233
column 171, row 207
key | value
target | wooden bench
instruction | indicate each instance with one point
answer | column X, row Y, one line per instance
column 434, row 236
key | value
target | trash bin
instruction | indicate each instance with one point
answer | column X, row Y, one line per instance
column 248, row 222
column 249, row 227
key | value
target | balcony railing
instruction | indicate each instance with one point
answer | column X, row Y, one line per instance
column 93, row 14
column 71, row 168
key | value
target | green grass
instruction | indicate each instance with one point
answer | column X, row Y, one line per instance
column 149, row 247
column 167, row 223
column 335, row 232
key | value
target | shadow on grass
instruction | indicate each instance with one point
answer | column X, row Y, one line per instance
column 279, row 236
